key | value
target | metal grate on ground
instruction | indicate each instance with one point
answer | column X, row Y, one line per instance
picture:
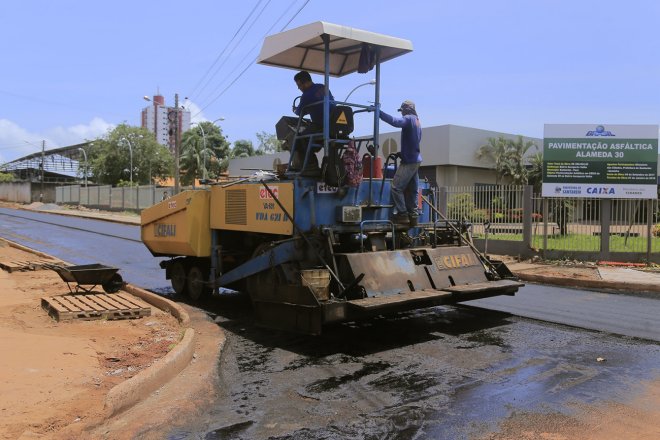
column 95, row 306
column 16, row 265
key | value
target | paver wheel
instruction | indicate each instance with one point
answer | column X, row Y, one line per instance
column 178, row 277
column 196, row 283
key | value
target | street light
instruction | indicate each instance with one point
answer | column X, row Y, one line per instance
column 130, row 151
column 205, row 174
column 370, row 82
column 85, row 155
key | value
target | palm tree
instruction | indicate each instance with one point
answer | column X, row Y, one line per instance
column 192, row 158
column 514, row 161
column 535, row 173
column 496, row 151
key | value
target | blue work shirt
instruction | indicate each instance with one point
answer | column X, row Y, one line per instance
column 411, row 135
column 314, row 94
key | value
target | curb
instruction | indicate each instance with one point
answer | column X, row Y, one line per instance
column 27, row 249
column 82, row 214
column 140, row 386
column 126, row 394
column 158, row 301
column 620, row 286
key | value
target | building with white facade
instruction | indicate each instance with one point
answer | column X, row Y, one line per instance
column 449, row 155
column 161, row 119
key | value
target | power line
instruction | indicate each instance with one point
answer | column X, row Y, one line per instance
column 223, row 50
column 236, row 46
column 252, row 62
column 247, row 54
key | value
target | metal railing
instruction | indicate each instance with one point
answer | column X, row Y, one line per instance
column 518, row 222
column 497, row 208
column 521, row 223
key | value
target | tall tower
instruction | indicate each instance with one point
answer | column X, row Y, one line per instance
column 159, row 119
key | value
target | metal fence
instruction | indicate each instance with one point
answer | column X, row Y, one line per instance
column 506, row 219
column 500, row 207
column 512, row 220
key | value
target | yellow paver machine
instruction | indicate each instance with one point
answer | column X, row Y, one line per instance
column 309, row 245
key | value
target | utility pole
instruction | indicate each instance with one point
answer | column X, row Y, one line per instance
column 176, row 143
column 43, row 165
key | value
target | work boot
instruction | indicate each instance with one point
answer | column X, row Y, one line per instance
column 401, row 219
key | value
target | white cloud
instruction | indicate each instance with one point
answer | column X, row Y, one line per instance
column 16, row 141
column 76, row 134
column 196, row 115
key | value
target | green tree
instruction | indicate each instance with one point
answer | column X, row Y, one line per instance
column 514, row 160
column 508, row 157
column 110, row 157
column 203, row 150
column 268, row 143
column 535, row 172
column 243, row 148
column 6, row 177
column 495, row 151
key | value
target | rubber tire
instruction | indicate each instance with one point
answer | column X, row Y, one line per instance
column 178, row 277
column 196, row 283
column 114, row 284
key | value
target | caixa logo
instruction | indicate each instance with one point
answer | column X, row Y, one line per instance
column 600, row 131
column 600, row 190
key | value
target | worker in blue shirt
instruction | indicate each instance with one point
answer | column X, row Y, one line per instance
column 406, row 179
column 311, row 93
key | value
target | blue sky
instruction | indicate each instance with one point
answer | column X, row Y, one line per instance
column 72, row 69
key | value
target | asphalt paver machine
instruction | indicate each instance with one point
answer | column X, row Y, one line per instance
column 307, row 246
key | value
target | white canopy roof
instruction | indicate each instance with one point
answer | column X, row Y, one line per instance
column 302, row 48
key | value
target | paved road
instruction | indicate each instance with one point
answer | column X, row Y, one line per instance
column 442, row 373
column 85, row 241
column 613, row 313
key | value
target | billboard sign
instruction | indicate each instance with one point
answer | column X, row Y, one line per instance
column 605, row 161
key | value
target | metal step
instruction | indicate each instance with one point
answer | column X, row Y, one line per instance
column 420, row 296
column 430, row 297
column 483, row 287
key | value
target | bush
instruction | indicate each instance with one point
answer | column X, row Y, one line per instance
column 656, row 230
column 462, row 206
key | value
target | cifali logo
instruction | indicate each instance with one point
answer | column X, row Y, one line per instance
column 557, row 189
column 600, row 131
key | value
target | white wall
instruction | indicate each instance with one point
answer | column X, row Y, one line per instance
column 454, row 144
column 16, row 192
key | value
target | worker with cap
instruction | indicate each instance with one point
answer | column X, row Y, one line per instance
column 406, row 179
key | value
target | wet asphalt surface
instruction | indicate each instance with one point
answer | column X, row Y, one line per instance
column 440, row 373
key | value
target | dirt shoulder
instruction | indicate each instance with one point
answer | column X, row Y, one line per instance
column 54, row 376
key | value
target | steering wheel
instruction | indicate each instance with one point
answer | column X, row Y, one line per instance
column 295, row 103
